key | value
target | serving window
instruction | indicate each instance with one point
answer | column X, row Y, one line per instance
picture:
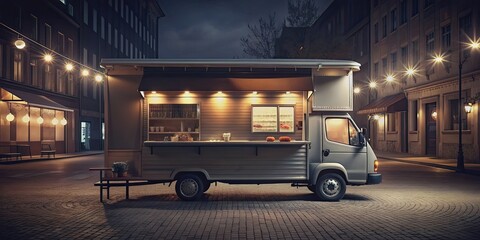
column 273, row 118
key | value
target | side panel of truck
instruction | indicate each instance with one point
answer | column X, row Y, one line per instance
column 277, row 162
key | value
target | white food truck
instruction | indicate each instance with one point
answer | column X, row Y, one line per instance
column 237, row 121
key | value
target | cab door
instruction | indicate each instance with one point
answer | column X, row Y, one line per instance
column 343, row 144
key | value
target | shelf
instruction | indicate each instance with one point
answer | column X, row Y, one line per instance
column 174, row 119
column 172, row 132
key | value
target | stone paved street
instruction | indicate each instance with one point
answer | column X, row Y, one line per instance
column 57, row 200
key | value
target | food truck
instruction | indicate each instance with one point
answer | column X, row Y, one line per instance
column 237, row 121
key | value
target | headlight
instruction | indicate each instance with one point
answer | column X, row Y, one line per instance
column 375, row 166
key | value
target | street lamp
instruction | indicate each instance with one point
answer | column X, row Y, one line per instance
column 473, row 45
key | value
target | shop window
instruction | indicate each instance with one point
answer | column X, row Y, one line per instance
column 341, row 130
column 5, row 125
column 381, row 127
column 391, row 122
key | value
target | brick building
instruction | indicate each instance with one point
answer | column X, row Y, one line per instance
column 48, row 102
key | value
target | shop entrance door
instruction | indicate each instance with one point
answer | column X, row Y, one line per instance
column 85, row 136
column 431, row 129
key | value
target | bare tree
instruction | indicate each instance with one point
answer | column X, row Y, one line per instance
column 302, row 13
column 260, row 41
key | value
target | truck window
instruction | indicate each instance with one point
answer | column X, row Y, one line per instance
column 341, row 130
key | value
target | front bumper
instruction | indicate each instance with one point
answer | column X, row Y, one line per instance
column 374, row 178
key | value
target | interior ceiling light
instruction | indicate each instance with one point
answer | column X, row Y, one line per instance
column 20, row 44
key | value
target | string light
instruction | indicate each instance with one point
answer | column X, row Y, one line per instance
column 372, row 84
column 10, row 117
column 85, row 72
column 389, row 78
column 47, row 58
column 63, row 121
column 40, row 120
column 26, row 118
column 98, row 78
column 69, row 67
column 54, row 121
column 356, row 90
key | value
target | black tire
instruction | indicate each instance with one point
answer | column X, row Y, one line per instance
column 330, row 187
column 311, row 188
column 206, row 186
column 189, row 187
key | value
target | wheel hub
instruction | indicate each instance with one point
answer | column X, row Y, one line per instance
column 331, row 187
column 189, row 187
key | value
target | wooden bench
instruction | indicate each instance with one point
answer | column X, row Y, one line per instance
column 9, row 156
column 47, row 150
column 106, row 182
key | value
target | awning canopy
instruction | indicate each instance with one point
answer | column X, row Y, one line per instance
column 226, row 79
column 31, row 99
column 389, row 104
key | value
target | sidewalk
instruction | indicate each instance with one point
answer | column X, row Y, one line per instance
column 450, row 164
column 34, row 158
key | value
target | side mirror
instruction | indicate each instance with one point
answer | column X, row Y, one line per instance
column 361, row 139
column 364, row 131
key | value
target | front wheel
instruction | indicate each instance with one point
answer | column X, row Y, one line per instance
column 189, row 187
column 330, row 187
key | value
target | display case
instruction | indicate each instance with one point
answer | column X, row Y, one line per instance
column 173, row 122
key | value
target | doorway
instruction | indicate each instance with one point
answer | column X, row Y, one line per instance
column 431, row 129
column 85, row 136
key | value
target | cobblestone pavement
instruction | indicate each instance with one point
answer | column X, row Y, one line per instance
column 56, row 200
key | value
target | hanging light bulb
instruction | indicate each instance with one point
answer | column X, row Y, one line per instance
column 85, row 72
column 98, row 78
column 63, row 121
column 40, row 120
column 54, row 121
column 48, row 58
column 26, row 118
column 10, row 117
column 20, row 44
column 69, row 67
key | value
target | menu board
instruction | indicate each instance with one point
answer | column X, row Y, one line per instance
column 264, row 119
column 286, row 119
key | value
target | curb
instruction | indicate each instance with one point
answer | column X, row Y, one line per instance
column 48, row 159
column 435, row 165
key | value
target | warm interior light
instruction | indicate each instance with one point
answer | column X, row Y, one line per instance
column 254, row 93
column 47, row 58
column 287, row 92
column 85, row 72
column 154, row 92
column 98, row 78
column 219, row 92
column 10, row 117
column 20, row 44
column 356, row 90
column 389, row 78
column 468, row 107
column 55, row 121
column 434, row 115
column 26, row 118
column 68, row 67
column 372, row 84
column 63, row 121
column 40, row 120
column 376, row 117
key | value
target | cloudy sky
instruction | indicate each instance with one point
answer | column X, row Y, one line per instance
column 211, row 28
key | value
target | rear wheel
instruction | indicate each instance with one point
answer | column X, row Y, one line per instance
column 330, row 187
column 189, row 187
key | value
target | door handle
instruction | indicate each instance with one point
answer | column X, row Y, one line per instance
column 326, row 152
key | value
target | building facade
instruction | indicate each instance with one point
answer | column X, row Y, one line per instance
column 43, row 99
column 417, row 47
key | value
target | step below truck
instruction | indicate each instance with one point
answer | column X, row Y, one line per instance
column 237, row 121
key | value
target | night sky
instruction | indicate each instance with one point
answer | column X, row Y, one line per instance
column 211, row 28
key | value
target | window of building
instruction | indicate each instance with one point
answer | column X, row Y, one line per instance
column 126, row 13
column 18, row 66
column 452, row 118
column 414, row 7
column 121, row 43
column 70, row 9
column 446, row 37
column 131, row 50
column 85, row 56
column 391, row 126
column 34, row 72
column 34, row 30
column 384, row 65
column 60, row 81
column 393, row 58
column 413, row 115
column 341, row 130
column 429, row 3
column 61, row 43
column 102, row 27
column 85, row 12
column 126, row 47
column 109, row 34
column 430, row 43
column 465, row 25
column 403, row 12
column 71, row 84
column 404, row 52
column 131, row 19
column 415, row 52
column 393, row 19
column 136, row 24
column 116, row 5
column 48, row 36
column 94, row 22
column 121, row 8
column 375, row 32
column 115, row 39
column 384, row 26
